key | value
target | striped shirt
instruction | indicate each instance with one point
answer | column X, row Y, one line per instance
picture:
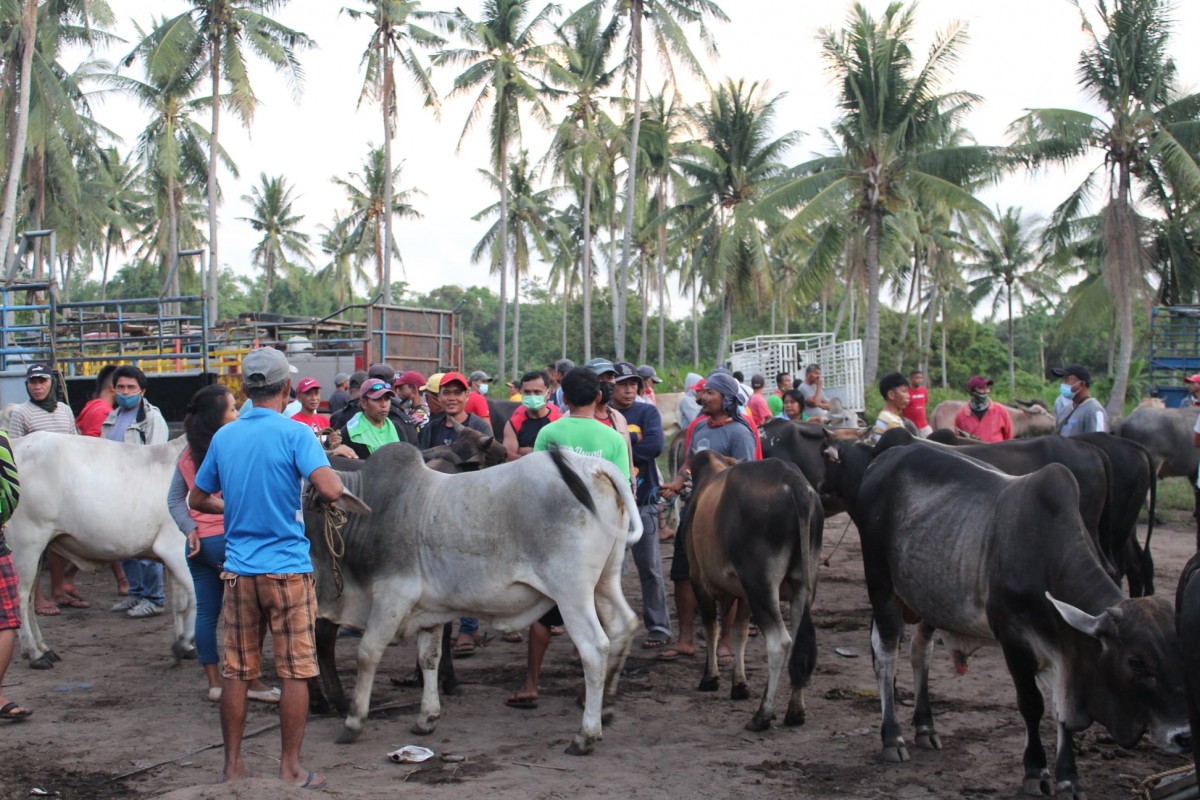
column 27, row 418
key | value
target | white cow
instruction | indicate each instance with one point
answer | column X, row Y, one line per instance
column 94, row 501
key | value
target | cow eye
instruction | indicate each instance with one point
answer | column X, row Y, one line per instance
column 1138, row 665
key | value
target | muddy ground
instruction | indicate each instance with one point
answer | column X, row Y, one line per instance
column 116, row 704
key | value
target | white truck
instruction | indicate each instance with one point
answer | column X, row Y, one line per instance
column 841, row 362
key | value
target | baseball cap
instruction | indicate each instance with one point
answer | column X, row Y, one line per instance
column 434, row 384
column 410, row 378
column 307, row 385
column 1192, row 378
column 600, row 366
column 647, row 373
column 1078, row 370
column 480, row 375
column 340, row 378
column 382, row 371
column 265, row 366
column 451, row 377
column 358, row 378
column 757, row 381
column 978, row 382
column 38, row 371
column 626, row 372
column 376, row 388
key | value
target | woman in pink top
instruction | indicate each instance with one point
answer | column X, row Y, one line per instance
column 209, row 409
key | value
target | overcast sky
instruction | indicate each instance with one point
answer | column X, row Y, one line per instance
column 1020, row 54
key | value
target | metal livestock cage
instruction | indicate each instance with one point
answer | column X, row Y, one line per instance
column 841, row 362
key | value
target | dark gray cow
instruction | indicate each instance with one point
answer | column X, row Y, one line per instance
column 1167, row 434
column 985, row 557
column 1187, row 626
column 427, row 554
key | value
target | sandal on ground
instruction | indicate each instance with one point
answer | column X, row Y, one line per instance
column 14, row 712
column 51, row 610
column 464, row 648
column 521, row 701
column 73, row 601
column 513, row 636
column 271, row 695
column 674, row 654
column 655, row 642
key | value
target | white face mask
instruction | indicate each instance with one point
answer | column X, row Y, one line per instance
column 483, row 388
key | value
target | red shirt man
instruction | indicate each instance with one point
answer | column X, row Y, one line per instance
column 308, row 392
column 918, row 399
column 981, row 418
column 477, row 399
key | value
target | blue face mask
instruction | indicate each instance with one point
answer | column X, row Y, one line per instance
column 1065, row 390
column 483, row 389
column 129, row 401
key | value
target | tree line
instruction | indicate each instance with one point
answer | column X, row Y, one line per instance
column 640, row 184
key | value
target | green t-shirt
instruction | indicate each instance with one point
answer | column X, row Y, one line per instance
column 362, row 432
column 775, row 403
column 588, row 438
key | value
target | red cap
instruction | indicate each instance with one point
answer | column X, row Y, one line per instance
column 451, row 377
column 307, row 385
column 411, row 378
column 978, row 382
column 697, row 386
column 1192, row 378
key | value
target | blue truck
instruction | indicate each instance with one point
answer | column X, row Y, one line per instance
column 1174, row 351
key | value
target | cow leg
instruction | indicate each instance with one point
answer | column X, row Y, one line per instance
column 430, row 648
column 446, row 664
column 26, row 561
column 380, row 630
column 1022, row 665
column 619, row 621
column 587, row 634
column 710, row 620
column 1066, row 774
column 325, row 692
column 886, row 629
column 183, row 593
column 802, row 661
column 922, row 651
column 738, row 690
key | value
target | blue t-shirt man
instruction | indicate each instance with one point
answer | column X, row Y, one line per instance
column 259, row 462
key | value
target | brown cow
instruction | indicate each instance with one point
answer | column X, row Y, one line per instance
column 1030, row 419
column 754, row 534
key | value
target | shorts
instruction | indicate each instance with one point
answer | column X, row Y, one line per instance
column 552, row 618
column 680, row 570
column 284, row 604
column 10, row 601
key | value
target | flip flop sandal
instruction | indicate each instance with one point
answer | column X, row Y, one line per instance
column 48, row 611
column 523, row 703
column 513, row 636
column 673, row 655
column 655, row 644
column 463, row 649
column 12, row 711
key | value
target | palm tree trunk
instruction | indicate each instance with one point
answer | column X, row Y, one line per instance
column 104, row 273
column 9, row 220
column 566, row 302
column 214, row 260
column 502, row 173
column 613, row 271
column 587, row 268
column 921, row 359
column 908, row 309
column 662, row 281
column 944, row 370
column 934, row 298
column 645, row 310
column 726, row 327
column 385, row 46
column 1012, row 358
column 268, row 281
column 1123, row 260
column 695, row 328
column 172, row 222
column 840, row 314
column 516, row 357
column 635, row 33
column 871, row 356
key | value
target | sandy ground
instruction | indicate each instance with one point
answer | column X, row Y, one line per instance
column 116, row 704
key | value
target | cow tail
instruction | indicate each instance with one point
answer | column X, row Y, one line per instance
column 572, row 480
column 1147, row 561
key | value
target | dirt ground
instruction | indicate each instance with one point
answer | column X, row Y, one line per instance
column 116, row 704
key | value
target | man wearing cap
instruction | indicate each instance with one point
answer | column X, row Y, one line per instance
column 1192, row 384
column 430, row 390
column 813, row 389
column 605, row 413
column 341, row 392
column 479, row 383
column 408, row 391
column 528, row 419
column 646, row 438
column 136, row 421
column 783, row 385
column 1084, row 414
column 722, row 428
column 981, row 418
column 373, row 427
column 43, row 412
column 258, row 463
column 649, row 378
column 561, row 368
column 308, row 392
column 760, row 412
column 442, row 427
column 338, row 419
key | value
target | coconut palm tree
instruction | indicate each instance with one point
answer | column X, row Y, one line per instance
column 282, row 244
column 216, row 36
column 345, row 267
column 894, row 140
column 364, row 226
column 1128, row 71
column 529, row 209
column 1008, row 269
column 26, row 46
column 395, row 32
column 120, row 182
column 502, row 59
column 731, row 168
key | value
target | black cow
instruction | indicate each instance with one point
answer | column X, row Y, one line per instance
column 1187, row 625
column 802, row 443
column 986, row 557
column 754, row 534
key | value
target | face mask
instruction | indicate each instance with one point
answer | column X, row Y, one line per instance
column 1065, row 390
column 128, row 401
column 980, row 402
column 483, row 389
column 606, row 392
column 534, row 402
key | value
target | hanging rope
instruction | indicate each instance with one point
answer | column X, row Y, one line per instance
column 335, row 520
column 1144, row 789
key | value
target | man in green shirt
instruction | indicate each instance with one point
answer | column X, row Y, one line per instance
column 372, row 428
column 581, row 433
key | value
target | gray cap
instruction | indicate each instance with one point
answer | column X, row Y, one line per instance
column 757, row 381
column 358, row 378
column 647, row 373
column 479, row 375
column 340, row 378
column 600, row 366
column 384, row 372
column 265, row 366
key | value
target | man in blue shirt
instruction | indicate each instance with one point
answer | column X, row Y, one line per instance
column 258, row 463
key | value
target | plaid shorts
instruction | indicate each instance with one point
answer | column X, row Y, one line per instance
column 10, row 603
column 284, row 604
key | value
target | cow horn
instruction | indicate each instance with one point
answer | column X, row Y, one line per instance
column 458, row 426
column 1096, row 627
column 486, row 442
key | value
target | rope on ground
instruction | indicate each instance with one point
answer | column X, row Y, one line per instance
column 197, row 751
column 825, row 561
column 1145, row 788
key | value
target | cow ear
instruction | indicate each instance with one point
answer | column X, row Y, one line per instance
column 1099, row 626
column 350, row 503
column 831, row 453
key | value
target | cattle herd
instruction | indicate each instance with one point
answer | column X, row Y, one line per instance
column 1023, row 544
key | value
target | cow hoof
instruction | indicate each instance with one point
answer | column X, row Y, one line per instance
column 347, row 735
column 895, row 755
column 758, row 724
column 44, row 661
column 580, row 746
column 709, row 684
column 1038, row 786
column 182, row 651
column 424, row 728
column 795, row 717
column 739, row 691
column 928, row 740
column 452, row 689
column 53, row 656
column 1071, row 791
